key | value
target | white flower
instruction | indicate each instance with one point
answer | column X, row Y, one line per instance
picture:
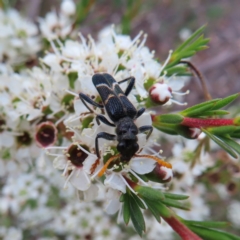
column 68, row 7
column 233, row 213
column 19, row 42
column 55, row 26
column 76, row 163
column 112, row 204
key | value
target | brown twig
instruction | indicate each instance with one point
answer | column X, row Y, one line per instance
column 207, row 95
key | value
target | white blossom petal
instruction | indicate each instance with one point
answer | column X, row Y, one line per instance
column 142, row 165
column 80, row 179
column 115, row 181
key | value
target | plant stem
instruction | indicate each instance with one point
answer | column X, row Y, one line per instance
column 207, row 95
column 210, row 122
column 181, row 229
column 170, row 217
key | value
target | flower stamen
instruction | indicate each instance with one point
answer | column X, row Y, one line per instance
column 178, row 103
column 181, row 93
column 127, row 184
column 139, row 179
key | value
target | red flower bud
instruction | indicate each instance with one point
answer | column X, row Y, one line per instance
column 160, row 93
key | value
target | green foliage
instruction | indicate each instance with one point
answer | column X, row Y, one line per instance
column 170, row 118
column 175, row 196
column 212, row 234
column 207, row 230
column 149, row 193
column 72, row 77
column 156, row 201
column 227, row 143
column 132, row 9
column 190, row 47
column 131, row 210
column 82, row 10
column 208, row 107
column 223, row 135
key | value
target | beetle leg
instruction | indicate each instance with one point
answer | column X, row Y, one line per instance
column 140, row 112
column 105, row 136
column 130, row 85
column 84, row 98
column 104, row 120
column 146, row 128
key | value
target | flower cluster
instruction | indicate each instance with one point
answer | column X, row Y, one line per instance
column 39, row 204
column 61, row 150
column 19, row 42
column 77, row 62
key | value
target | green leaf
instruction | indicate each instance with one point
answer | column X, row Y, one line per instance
column 215, row 113
column 211, row 234
column 149, row 193
column 153, row 209
column 164, row 211
column 199, row 108
column 177, row 71
column 195, row 43
column 165, row 127
column 225, row 101
column 191, row 38
column 170, row 118
column 82, row 9
column 209, row 108
column 126, row 209
column 234, row 145
column 131, row 11
column 223, row 130
column 136, row 216
column 175, row 196
column 235, row 135
column 139, row 201
column 173, row 203
column 221, row 144
column 208, row 224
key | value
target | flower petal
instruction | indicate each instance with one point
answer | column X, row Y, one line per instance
column 144, row 119
column 59, row 162
column 112, row 206
column 115, row 181
column 87, row 164
column 91, row 194
column 142, row 165
column 80, row 179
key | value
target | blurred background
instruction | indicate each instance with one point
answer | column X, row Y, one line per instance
column 167, row 24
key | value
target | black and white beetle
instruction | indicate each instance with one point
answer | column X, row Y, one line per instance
column 121, row 111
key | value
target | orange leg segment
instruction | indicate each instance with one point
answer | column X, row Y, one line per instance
column 104, row 168
column 158, row 160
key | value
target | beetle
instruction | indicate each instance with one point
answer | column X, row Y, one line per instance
column 121, row 112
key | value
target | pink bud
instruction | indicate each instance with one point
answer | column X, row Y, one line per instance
column 160, row 93
column 161, row 174
column 164, row 173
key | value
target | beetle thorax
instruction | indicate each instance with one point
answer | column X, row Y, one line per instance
column 127, row 131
